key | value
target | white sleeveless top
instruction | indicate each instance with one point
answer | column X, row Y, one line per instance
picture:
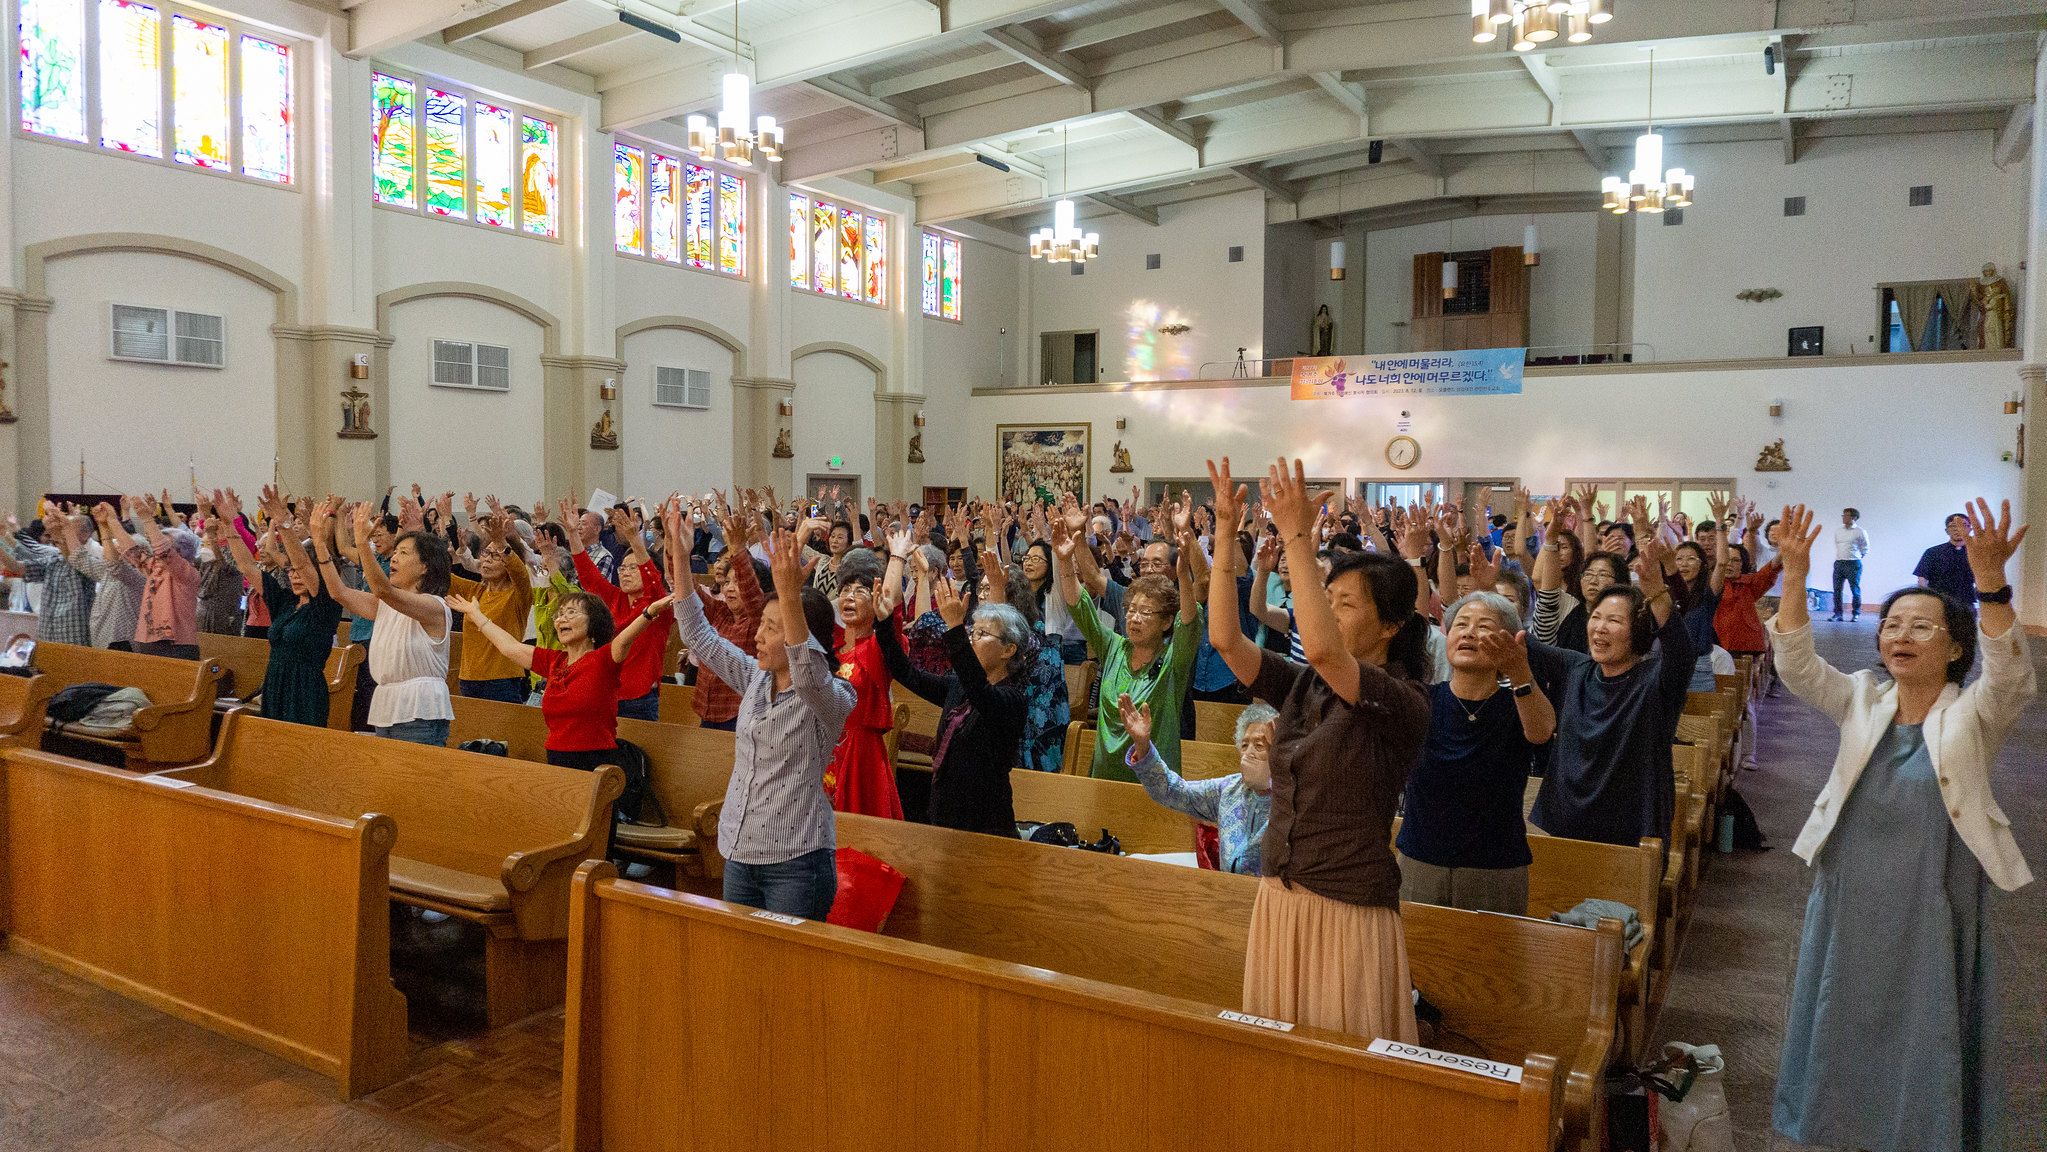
column 410, row 669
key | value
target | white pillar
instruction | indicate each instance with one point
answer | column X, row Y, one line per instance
column 2030, row 576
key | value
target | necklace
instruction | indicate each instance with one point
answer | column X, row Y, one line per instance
column 1471, row 714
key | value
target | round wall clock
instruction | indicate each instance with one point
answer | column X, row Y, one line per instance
column 1403, row 452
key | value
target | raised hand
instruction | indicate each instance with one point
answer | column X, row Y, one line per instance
column 1230, row 496
column 899, row 544
column 1485, row 572
column 411, row 518
column 785, row 562
column 1651, row 558
column 1062, row 540
column 1294, row 509
column 952, row 607
column 1267, row 556
column 997, row 574
column 463, row 604
column 1136, row 722
column 469, row 505
column 1716, row 503
column 1795, row 537
column 1991, row 542
column 361, row 525
column 1507, row 651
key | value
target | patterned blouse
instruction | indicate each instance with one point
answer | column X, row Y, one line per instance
column 1047, row 709
column 1239, row 814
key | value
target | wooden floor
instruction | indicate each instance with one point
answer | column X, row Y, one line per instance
column 86, row 1070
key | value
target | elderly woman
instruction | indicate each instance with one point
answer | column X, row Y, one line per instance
column 1326, row 947
column 409, row 644
column 1041, row 668
column 1462, row 842
column 862, row 777
column 1891, row 1041
column 303, row 616
column 504, row 596
column 981, row 728
column 1567, row 582
column 1239, row 805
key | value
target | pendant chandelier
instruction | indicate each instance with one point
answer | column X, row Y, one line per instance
column 1648, row 187
column 1064, row 242
column 1533, row 22
column 737, row 139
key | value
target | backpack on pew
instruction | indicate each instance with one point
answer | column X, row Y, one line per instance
column 76, row 702
column 1062, row 834
column 637, row 804
column 484, row 747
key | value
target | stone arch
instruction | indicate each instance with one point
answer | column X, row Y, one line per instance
column 712, row 332
column 550, row 328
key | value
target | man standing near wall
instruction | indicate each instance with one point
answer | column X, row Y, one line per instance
column 1945, row 567
column 1851, row 544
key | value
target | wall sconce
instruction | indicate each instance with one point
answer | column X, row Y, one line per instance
column 359, row 368
column 609, row 389
column 1121, row 424
column 2015, row 405
column 1776, row 409
column 785, row 408
column 918, row 419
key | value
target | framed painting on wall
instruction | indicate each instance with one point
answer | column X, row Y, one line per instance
column 1040, row 461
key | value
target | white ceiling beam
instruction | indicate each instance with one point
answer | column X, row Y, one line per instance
column 1545, row 77
column 1151, row 118
column 1273, row 185
column 1108, row 200
column 1018, row 42
column 490, row 21
column 941, row 73
column 1588, row 142
column 1253, row 15
column 813, row 160
column 1787, row 129
column 1347, row 95
column 380, row 25
column 2015, row 138
column 1417, row 157
column 564, row 50
column 892, row 110
column 1154, row 17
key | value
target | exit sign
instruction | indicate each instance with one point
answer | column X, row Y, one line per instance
column 836, row 462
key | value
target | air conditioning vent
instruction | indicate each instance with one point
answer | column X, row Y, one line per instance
column 1919, row 196
column 682, row 388
column 164, row 336
column 460, row 364
column 1794, row 205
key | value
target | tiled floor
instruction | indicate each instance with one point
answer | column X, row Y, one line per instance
column 83, row 1070
column 1734, row 979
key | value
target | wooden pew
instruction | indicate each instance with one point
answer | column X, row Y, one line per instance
column 1516, row 986
column 483, row 839
column 263, row 922
column 1140, row 824
column 177, row 727
column 685, row 1011
column 1080, row 680
column 248, row 658
column 916, row 728
column 24, row 708
column 678, row 704
column 1215, row 722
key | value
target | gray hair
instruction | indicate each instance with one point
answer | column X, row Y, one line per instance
column 1006, row 622
column 1509, row 615
column 933, row 555
column 1256, row 712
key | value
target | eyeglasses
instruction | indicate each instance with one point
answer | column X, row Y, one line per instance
column 1918, row 630
column 983, row 634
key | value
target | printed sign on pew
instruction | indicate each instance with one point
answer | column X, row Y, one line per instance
column 1465, row 372
column 1420, row 1055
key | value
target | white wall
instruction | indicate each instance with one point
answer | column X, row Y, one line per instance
column 959, row 356
column 1195, row 285
column 142, row 427
column 674, row 449
column 1560, row 289
column 1857, row 231
column 1844, row 429
column 450, row 439
column 834, row 417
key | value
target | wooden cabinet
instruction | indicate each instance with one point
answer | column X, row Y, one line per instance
column 1490, row 312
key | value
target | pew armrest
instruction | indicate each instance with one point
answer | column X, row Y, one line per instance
column 1585, row 1084
column 538, row 878
column 705, row 821
column 181, row 731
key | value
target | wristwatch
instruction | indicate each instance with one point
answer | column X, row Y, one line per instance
column 1523, row 690
column 2001, row 596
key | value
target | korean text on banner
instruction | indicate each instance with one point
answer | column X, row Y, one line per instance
column 1467, row 372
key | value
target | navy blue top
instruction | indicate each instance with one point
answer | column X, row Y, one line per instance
column 1463, row 806
column 1945, row 568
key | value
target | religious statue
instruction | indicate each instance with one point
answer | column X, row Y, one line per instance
column 1321, row 332
column 602, row 434
column 1773, row 459
column 1990, row 304
column 1122, row 455
column 355, row 415
column 782, row 449
column 7, row 415
column 917, row 447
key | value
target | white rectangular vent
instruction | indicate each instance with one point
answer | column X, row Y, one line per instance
column 164, row 336
column 460, row 364
column 682, row 388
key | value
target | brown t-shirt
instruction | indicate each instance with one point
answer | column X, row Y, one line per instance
column 1337, row 772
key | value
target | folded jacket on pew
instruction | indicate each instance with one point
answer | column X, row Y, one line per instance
column 1588, row 912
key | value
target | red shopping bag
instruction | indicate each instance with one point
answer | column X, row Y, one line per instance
column 867, row 891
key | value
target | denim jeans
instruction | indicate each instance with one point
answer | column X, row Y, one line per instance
column 433, row 732
column 1848, row 572
column 804, row 886
column 731, row 725
column 646, row 707
column 509, row 689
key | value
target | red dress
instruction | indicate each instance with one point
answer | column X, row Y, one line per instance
column 861, row 778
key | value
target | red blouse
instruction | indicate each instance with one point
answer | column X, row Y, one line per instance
column 581, row 701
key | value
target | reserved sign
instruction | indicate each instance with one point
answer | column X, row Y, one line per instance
column 1508, row 1072
column 1257, row 1021
column 777, row 917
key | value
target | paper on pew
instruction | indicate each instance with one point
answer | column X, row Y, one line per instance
column 1183, row 859
column 1421, row 1055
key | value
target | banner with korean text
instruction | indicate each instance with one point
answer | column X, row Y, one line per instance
column 1466, row 372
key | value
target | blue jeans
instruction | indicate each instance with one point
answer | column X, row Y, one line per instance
column 731, row 725
column 646, row 707
column 510, row 689
column 433, row 732
column 804, row 886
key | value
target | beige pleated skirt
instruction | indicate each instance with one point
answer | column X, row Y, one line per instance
column 1327, row 964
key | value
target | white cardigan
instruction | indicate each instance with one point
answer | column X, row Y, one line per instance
column 1964, row 731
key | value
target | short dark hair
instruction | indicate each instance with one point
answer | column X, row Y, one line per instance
column 838, row 524
column 1163, row 593
column 1642, row 633
column 819, row 616
column 1499, row 521
column 1853, row 513
column 1392, row 585
column 1960, row 622
column 1954, row 516
column 433, row 556
column 602, row 626
column 861, row 566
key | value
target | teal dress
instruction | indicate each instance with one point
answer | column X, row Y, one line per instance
column 301, row 637
column 1891, row 1043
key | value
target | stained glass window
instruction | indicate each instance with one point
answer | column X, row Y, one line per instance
column 697, row 207
column 628, row 168
column 949, row 291
column 131, row 78
column 391, row 139
column 664, row 208
column 930, row 274
column 824, row 246
column 199, row 93
column 731, row 225
column 266, row 110
column 493, row 165
column 877, row 261
column 53, row 68
column 447, row 184
column 542, row 200
column 849, row 253
column 799, row 236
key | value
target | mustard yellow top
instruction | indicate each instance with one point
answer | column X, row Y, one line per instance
column 506, row 607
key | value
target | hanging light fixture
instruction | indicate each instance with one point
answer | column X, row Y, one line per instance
column 1649, row 186
column 1533, row 22
column 739, row 135
column 1531, row 239
column 1337, row 251
column 1063, row 242
column 1450, row 265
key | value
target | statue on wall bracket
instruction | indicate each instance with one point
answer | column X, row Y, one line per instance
column 1773, row 459
column 603, row 435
